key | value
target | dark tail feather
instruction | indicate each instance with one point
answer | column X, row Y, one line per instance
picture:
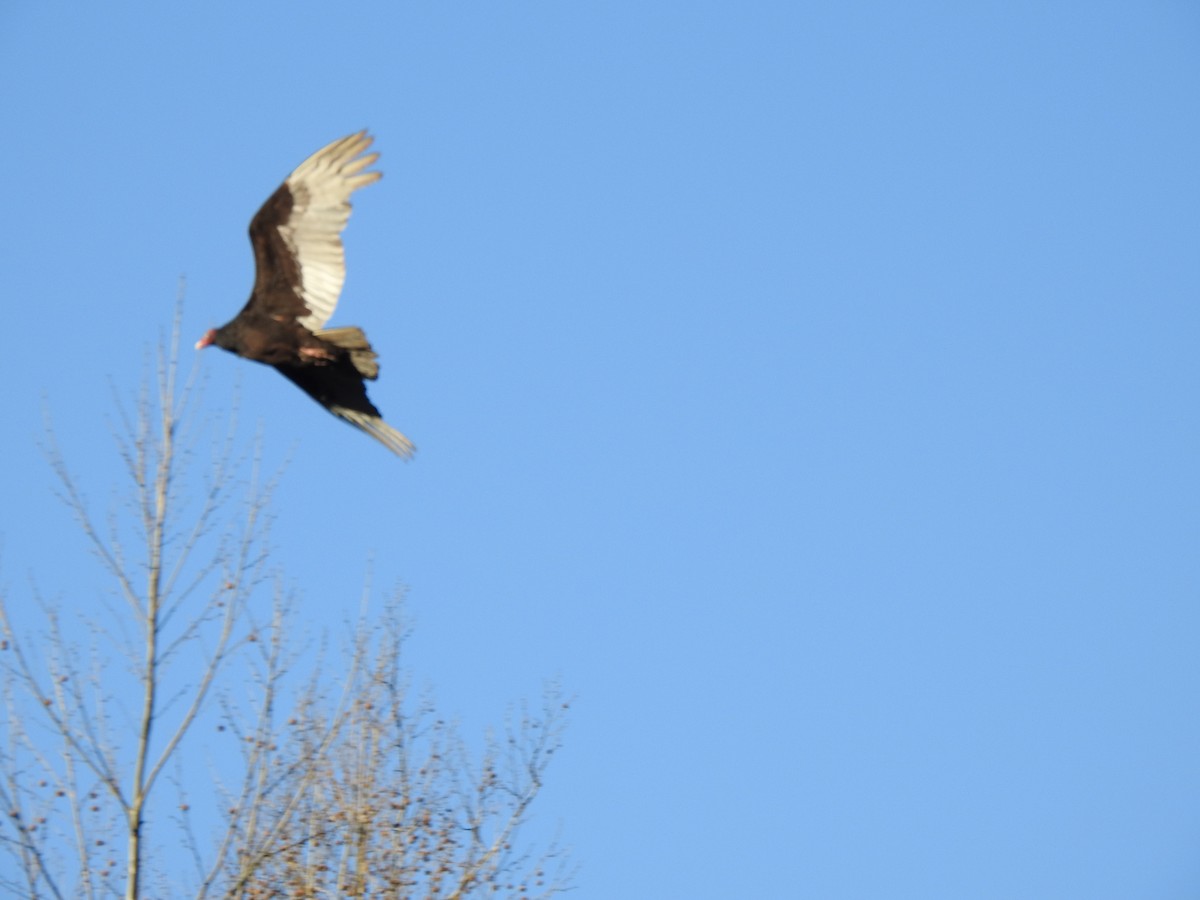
column 378, row 429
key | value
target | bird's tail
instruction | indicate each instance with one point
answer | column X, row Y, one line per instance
column 376, row 428
column 353, row 340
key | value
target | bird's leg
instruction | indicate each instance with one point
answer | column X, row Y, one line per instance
column 318, row 355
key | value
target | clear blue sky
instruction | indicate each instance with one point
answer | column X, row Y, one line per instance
column 813, row 387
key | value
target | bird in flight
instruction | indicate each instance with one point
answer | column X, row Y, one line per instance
column 299, row 269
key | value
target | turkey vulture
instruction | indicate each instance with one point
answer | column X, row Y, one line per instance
column 299, row 270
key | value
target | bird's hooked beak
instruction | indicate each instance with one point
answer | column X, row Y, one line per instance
column 209, row 337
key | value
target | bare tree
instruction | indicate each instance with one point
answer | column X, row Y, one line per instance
column 394, row 806
column 349, row 791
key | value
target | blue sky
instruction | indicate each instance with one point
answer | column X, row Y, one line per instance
column 812, row 387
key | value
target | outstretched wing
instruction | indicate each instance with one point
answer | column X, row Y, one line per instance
column 298, row 256
column 339, row 388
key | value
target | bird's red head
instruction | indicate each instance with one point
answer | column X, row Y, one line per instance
column 209, row 337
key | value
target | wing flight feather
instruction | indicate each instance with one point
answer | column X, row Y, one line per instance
column 297, row 233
